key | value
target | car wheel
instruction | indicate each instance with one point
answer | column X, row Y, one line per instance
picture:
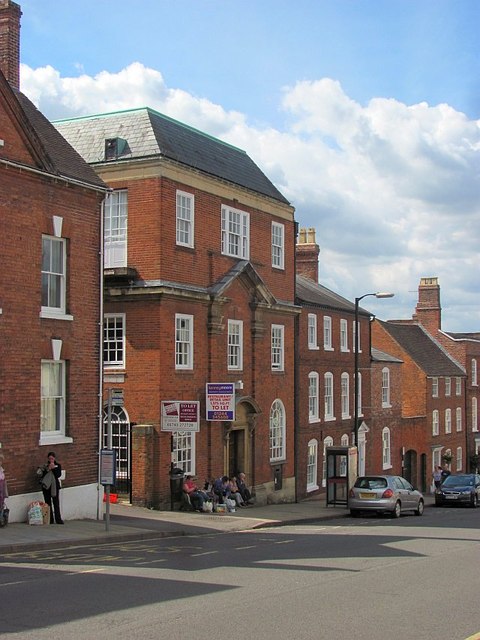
column 398, row 510
column 474, row 502
column 419, row 509
column 354, row 513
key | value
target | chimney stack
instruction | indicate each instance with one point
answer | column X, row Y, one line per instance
column 10, row 42
column 428, row 311
column 307, row 252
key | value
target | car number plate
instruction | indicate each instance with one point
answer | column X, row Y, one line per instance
column 451, row 497
column 367, row 496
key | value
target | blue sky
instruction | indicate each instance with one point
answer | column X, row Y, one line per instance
column 364, row 113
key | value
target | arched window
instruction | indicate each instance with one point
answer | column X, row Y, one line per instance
column 328, row 396
column 345, row 390
column 344, row 440
column 474, row 372
column 435, row 423
column 385, row 387
column 386, row 450
column 312, row 462
column 459, row 458
column 448, row 421
column 359, row 382
column 277, row 431
column 328, row 442
column 474, row 414
column 120, row 426
column 313, row 415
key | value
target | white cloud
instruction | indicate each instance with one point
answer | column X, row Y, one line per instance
column 392, row 189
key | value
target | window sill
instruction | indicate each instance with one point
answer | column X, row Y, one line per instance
column 51, row 315
column 328, row 348
column 312, row 487
column 313, row 348
column 330, row 419
column 386, row 405
column 54, row 439
column 314, row 420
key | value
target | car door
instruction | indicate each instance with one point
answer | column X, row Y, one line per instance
column 408, row 494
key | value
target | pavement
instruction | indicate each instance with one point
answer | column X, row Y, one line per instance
column 128, row 523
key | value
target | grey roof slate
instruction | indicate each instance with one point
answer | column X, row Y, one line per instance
column 313, row 293
column 65, row 161
column 463, row 336
column 381, row 356
column 148, row 134
column 423, row 349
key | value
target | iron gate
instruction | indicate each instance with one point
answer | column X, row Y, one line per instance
column 122, row 444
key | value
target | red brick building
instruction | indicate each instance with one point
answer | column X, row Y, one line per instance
column 465, row 348
column 199, row 288
column 50, row 203
column 432, row 429
column 325, row 371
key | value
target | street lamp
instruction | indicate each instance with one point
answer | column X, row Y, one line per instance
column 379, row 294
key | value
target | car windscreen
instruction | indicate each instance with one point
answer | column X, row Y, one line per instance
column 458, row 481
column 370, row 482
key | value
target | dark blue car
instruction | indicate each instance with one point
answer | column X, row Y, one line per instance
column 461, row 488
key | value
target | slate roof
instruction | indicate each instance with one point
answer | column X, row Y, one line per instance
column 463, row 336
column 150, row 134
column 423, row 349
column 381, row 356
column 64, row 160
column 313, row 293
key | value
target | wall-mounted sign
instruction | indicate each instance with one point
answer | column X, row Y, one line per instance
column 220, row 401
column 180, row 416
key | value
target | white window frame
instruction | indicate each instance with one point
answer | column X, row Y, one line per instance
column 277, row 431
column 54, row 277
column 185, row 218
column 183, row 341
column 115, row 233
column 359, row 380
column 312, row 331
column 312, row 465
column 459, row 419
column 183, row 454
column 355, row 327
column 448, row 387
column 313, row 396
column 435, row 422
column 328, row 396
column 458, row 386
column 474, row 414
column 345, row 395
column 386, row 387
column 235, row 345
column 235, row 233
column 344, row 336
column 278, row 245
column 459, row 458
column 278, row 347
column 115, row 325
column 474, row 373
column 327, row 333
column 448, row 421
column 435, row 387
column 52, row 401
column 328, row 442
column 386, row 449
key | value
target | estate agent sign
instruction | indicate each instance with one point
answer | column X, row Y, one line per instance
column 220, row 401
column 180, row 416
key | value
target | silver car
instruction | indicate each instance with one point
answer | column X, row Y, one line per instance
column 384, row 494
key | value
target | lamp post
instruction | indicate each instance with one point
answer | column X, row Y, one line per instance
column 379, row 294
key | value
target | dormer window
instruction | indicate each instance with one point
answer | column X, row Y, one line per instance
column 114, row 147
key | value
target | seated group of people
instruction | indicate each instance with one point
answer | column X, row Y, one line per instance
column 233, row 488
